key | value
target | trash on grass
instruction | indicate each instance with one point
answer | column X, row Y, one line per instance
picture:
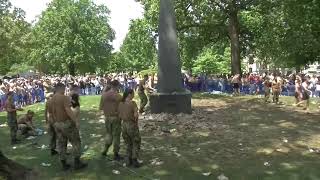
column 14, row 147
column 222, row 177
column 266, row 163
column 206, row 174
column 31, row 137
column 116, row 172
column 45, row 164
column 4, row 125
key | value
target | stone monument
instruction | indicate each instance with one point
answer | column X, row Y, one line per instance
column 171, row 96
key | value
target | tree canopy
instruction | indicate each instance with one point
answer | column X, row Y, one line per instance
column 215, row 36
column 14, row 34
column 72, row 37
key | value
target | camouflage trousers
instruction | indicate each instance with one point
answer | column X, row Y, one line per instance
column 131, row 136
column 52, row 136
column 113, row 128
column 143, row 101
column 26, row 130
column 276, row 94
column 13, row 125
column 67, row 131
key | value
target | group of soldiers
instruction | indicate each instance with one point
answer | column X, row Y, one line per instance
column 62, row 117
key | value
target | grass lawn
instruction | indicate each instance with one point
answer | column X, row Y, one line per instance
column 240, row 137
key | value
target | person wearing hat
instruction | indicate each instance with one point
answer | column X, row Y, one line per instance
column 12, row 117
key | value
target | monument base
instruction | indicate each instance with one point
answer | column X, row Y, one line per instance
column 170, row 103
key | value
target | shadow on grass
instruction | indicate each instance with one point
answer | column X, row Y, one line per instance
column 246, row 139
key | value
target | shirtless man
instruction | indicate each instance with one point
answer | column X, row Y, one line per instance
column 109, row 105
column 65, row 128
column 276, row 89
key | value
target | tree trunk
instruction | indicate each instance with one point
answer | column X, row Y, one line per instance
column 72, row 69
column 13, row 171
column 235, row 43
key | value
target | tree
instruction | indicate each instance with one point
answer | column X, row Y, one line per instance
column 205, row 22
column 212, row 60
column 14, row 32
column 286, row 33
column 72, row 36
column 138, row 50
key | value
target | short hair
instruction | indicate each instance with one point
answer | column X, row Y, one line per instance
column 115, row 83
column 30, row 112
column 59, row 86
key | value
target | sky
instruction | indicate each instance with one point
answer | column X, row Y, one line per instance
column 122, row 11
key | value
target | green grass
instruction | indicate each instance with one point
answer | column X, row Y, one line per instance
column 244, row 134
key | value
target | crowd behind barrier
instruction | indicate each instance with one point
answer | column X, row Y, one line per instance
column 28, row 91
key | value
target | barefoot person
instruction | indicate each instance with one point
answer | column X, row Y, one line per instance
column 128, row 113
column 25, row 124
column 12, row 118
column 109, row 104
column 65, row 127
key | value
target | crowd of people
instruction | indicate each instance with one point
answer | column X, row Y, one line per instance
column 249, row 84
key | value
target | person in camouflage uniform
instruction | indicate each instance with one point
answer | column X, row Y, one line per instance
column 128, row 113
column 12, row 118
column 65, row 128
column 109, row 104
column 142, row 94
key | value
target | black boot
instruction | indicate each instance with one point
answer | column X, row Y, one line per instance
column 78, row 164
column 65, row 166
column 53, row 152
column 130, row 161
column 135, row 163
column 104, row 153
column 117, row 157
column 15, row 141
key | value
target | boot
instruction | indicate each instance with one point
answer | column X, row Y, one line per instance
column 104, row 153
column 130, row 161
column 135, row 163
column 15, row 141
column 53, row 152
column 78, row 164
column 65, row 166
column 117, row 157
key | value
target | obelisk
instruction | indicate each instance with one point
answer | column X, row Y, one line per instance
column 171, row 97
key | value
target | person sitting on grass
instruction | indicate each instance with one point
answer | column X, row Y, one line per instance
column 25, row 124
